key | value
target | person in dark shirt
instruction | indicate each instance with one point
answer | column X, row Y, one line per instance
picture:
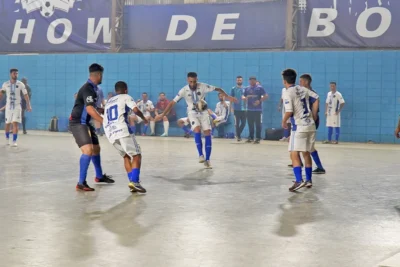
column 239, row 109
column 84, row 133
column 23, row 103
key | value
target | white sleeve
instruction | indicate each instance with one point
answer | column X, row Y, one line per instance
column 207, row 88
column 130, row 103
column 151, row 105
column 340, row 98
column 216, row 109
column 288, row 101
column 327, row 99
column 3, row 87
column 313, row 95
column 179, row 96
column 24, row 91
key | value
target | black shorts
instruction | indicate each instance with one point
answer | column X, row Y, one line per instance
column 84, row 134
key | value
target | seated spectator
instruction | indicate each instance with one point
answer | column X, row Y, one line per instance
column 146, row 107
column 160, row 107
column 221, row 115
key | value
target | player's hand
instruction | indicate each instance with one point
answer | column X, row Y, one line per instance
column 145, row 121
column 396, row 132
column 29, row 109
column 233, row 99
column 159, row 117
column 284, row 125
column 279, row 108
column 256, row 103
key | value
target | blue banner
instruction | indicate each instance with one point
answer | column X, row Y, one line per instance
column 54, row 25
column 206, row 26
column 350, row 24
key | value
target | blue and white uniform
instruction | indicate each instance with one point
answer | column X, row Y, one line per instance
column 334, row 100
column 298, row 99
column 222, row 111
column 116, row 125
column 14, row 92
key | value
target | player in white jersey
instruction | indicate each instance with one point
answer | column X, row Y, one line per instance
column 297, row 101
column 116, row 128
column 14, row 89
column 146, row 106
column 194, row 94
column 333, row 106
column 220, row 116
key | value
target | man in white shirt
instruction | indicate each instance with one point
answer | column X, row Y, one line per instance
column 13, row 90
column 120, row 135
column 297, row 100
column 220, row 116
column 194, row 94
column 333, row 107
column 146, row 106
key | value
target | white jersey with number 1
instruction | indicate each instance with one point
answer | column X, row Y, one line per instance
column 115, row 120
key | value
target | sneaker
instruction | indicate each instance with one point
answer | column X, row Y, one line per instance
column 84, row 187
column 318, row 171
column 296, row 186
column 25, row 132
column 207, row 164
column 249, row 141
column 335, row 142
column 283, row 139
column 308, row 184
column 239, row 139
column 257, row 142
column 164, row 135
column 326, row 142
column 187, row 135
column 15, row 144
column 202, row 159
column 152, row 134
column 136, row 187
column 105, row 179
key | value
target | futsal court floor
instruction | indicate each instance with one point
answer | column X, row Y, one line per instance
column 239, row 214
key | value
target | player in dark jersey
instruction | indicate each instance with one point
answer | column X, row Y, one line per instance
column 84, row 133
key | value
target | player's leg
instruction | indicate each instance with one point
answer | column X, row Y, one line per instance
column 96, row 159
column 258, row 123
column 314, row 154
column 166, row 126
column 152, row 125
column 132, row 123
column 237, row 125
column 146, row 126
column 337, row 134
column 307, row 158
column 183, row 123
column 206, row 127
column 196, row 128
column 297, row 144
column 16, row 119
column 250, row 122
column 243, row 118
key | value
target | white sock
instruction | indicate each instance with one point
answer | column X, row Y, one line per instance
column 166, row 127
column 152, row 126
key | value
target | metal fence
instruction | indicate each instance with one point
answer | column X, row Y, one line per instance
column 171, row 2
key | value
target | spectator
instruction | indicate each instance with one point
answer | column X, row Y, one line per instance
column 146, row 107
column 239, row 108
column 23, row 103
column 254, row 95
column 221, row 115
column 333, row 107
column 160, row 107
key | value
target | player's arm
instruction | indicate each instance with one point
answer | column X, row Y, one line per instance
column 342, row 103
column 397, row 131
column 231, row 98
column 314, row 100
column 264, row 95
column 88, row 99
column 140, row 114
column 2, row 90
column 326, row 104
column 288, row 102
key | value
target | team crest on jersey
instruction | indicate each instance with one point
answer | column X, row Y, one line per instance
column 89, row 99
column 198, row 93
column 46, row 7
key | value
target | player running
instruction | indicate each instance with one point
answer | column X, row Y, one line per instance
column 118, row 132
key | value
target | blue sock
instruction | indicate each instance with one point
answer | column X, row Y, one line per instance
column 308, row 173
column 133, row 129
column 145, row 128
column 97, row 165
column 84, row 165
column 212, row 131
column 199, row 143
column 15, row 137
column 213, row 116
column 208, row 147
column 286, row 133
column 135, row 175
column 337, row 130
column 129, row 176
column 297, row 174
column 8, row 135
column 316, row 159
column 330, row 131
column 185, row 129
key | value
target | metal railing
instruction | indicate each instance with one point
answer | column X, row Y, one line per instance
column 171, row 2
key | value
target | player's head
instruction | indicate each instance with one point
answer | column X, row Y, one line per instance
column 121, row 88
column 192, row 80
column 305, row 80
column 239, row 80
column 14, row 74
column 289, row 77
column 145, row 96
column 253, row 81
column 221, row 97
column 161, row 96
column 333, row 86
column 96, row 73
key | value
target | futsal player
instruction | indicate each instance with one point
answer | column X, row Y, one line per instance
column 297, row 101
column 194, row 94
column 84, row 133
column 13, row 112
column 305, row 81
column 120, row 136
column 333, row 107
column 183, row 123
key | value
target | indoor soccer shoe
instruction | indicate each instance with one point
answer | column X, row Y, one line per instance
column 207, row 164
column 105, row 179
column 84, row 187
column 136, row 187
column 202, row 159
column 319, row 171
column 296, row 186
column 308, row 184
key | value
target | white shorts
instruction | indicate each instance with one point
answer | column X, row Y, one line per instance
column 200, row 119
column 185, row 121
column 302, row 141
column 13, row 115
column 128, row 146
column 333, row 121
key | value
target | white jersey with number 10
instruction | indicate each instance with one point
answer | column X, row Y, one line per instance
column 115, row 120
column 298, row 99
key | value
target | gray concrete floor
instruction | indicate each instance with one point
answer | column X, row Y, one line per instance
column 238, row 214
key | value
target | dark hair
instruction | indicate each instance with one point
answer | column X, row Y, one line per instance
column 120, row 86
column 333, row 83
column 144, row 93
column 289, row 75
column 12, row 70
column 192, row 75
column 162, row 93
column 239, row 77
column 95, row 68
column 306, row 77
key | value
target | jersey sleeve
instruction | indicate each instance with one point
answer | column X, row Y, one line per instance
column 130, row 103
column 340, row 98
column 23, row 89
column 3, row 88
column 313, row 96
column 151, row 105
column 288, row 101
column 179, row 96
column 327, row 99
column 89, row 97
column 208, row 88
